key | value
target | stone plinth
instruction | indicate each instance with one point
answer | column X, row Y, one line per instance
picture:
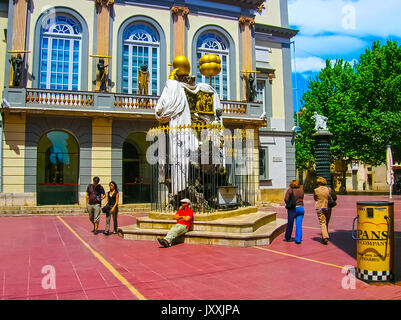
column 206, row 216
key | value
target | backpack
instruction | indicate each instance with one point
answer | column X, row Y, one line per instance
column 291, row 202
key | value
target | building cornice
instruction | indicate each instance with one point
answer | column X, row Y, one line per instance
column 230, row 7
column 248, row 4
column 275, row 31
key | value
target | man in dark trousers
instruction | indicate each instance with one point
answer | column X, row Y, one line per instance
column 94, row 195
column 184, row 217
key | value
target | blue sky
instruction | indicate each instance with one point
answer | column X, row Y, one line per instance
column 337, row 29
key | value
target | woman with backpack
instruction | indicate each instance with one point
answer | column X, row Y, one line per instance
column 294, row 203
column 325, row 198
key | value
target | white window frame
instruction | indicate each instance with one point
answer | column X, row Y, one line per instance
column 263, row 91
column 265, row 175
column 50, row 35
column 220, row 52
column 150, row 45
column 262, row 54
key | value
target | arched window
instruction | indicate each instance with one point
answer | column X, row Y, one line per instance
column 211, row 42
column 60, row 53
column 141, row 46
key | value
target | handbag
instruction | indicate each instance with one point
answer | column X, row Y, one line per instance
column 330, row 201
column 106, row 209
column 291, row 202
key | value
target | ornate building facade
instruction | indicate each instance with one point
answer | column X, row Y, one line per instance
column 72, row 103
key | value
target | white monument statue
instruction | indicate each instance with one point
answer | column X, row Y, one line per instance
column 173, row 107
column 320, row 122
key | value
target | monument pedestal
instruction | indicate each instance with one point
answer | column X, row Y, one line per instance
column 322, row 139
column 242, row 227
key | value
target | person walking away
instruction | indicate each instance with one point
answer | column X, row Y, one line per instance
column 94, row 195
column 111, row 208
column 321, row 195
column 184, row 217
column 294, row 199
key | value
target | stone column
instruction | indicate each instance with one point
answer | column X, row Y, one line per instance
column 103, row 8
column 323, row 155
column 19, row 35
column 102, row 149
column 14, row 152
column 179, row 15
column 246, row 26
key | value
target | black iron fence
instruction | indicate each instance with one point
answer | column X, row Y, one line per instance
column 212, row 167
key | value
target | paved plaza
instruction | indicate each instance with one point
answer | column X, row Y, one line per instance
column 58, row 257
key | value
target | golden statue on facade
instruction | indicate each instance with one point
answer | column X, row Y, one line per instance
column 143, row 80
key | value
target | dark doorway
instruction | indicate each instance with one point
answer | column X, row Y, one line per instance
column 57, row 169
column 136, row 170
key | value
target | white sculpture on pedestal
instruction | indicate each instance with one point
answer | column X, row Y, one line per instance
column 320, row 122
column 173, row 107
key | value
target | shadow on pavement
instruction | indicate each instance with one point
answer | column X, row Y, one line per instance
column 342, row 239
column 397, row 256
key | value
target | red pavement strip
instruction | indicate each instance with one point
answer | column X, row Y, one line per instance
column 99, row 267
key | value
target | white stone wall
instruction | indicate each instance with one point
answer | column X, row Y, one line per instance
column 277, row 155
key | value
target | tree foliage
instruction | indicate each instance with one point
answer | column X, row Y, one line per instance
column 363, row 106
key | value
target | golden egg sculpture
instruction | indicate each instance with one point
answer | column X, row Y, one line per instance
column 182, row 64
column 210, row 65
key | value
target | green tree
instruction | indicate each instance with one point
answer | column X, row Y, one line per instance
column 378, row 85
column 363, row 106
column 328, row 94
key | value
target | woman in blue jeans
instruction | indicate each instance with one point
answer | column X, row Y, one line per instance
column 296, row 213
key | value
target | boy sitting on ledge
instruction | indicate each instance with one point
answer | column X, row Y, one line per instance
column 184, row 217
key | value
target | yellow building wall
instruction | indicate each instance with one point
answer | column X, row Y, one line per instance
column 276, row 61
column 271, row 15
column 230, row 26
column 85, row 8
column 101, row 149
column 14, row 153
column 124, row 11
column 3, row 48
